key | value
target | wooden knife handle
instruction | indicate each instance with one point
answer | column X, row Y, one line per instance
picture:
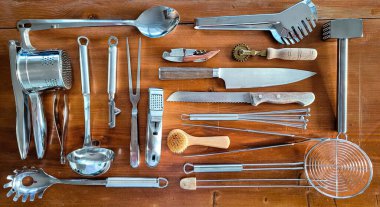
column 302, row 98
column 292, row 53
column 180, row 73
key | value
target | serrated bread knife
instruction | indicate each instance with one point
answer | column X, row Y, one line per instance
column 237, row 77
column 302, row 98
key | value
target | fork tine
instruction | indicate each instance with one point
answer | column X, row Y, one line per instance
column 285, row 40
column 17, row 196
column 299, row 32
column 40, row 194
column 10, row 192
column 307, row 25
column 312, row 20
column 10, row 177
column 8, row 185
column 129, row 69
column 303, row 29
column 32, row 196
column 24, row 198
column 293, row 34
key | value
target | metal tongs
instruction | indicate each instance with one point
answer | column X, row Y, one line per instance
column 287, row 27
column 188, row 55
column 112, row 65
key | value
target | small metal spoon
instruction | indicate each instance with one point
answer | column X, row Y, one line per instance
column 89, row 160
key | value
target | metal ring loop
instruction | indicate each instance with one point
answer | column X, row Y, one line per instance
column 114, row 39
column 344, row 135
column 81, row 38
column 164, row 180
column 186, row 165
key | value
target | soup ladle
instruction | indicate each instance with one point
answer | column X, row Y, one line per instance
column 88, row 160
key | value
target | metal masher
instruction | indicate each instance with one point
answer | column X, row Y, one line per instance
column 334, row 167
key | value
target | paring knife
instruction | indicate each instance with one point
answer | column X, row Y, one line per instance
column 237, row 77
column 302, row 98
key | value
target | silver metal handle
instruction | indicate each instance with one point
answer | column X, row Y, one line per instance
column 26, row 25
column 342, row 85
column 134, row 145
column 210, row 117
column 39, row 124
column 111, row 89
column 153, row 142
column 124, row 182
column 212, row 168
column 83, row 59
column 243, row 22
column 22, row 106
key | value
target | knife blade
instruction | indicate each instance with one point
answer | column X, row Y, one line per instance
column 237, row 77
column 302, row 98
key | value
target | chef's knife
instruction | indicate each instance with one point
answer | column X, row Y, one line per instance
column 302, row 98
column 237, row 77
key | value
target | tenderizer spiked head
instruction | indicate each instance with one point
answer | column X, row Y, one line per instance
column 342, row 29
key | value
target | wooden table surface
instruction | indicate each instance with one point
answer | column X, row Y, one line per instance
column 363, row 95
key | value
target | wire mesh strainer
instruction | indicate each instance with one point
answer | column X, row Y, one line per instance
column 336, row 168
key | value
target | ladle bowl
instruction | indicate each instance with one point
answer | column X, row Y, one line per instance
column 90, row 161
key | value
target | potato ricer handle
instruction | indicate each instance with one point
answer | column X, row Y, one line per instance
column 39, row 124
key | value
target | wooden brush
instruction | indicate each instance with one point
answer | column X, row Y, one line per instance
column 178, row 141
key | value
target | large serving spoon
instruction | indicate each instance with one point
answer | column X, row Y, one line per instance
column 154, row 23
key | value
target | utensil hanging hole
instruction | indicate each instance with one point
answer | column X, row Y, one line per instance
column 188, row 168
column 82, row 40
column 153, row 157
column 26, row 25
column 113, row 41
column 162, row 182
column 28, row 181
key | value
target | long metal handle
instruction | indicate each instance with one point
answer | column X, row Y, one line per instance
column 134, row 145
column 26, row 25
column 22, row 106
column 243, row 22
column 111, row 89
column 125, row 182
column 342, row 85
column 39, row 124
column 83, row 59
column 210, row 117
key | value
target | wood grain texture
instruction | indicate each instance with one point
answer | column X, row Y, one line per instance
column 363, row 112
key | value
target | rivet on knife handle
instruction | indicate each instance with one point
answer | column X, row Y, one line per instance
column 302, row 98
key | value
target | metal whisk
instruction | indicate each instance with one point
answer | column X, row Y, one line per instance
column 336, row 168
column 290, row 118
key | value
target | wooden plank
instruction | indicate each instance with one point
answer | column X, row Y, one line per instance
column 12, row 11
column 363, row 117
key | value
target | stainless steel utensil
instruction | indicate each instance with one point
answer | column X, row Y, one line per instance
column 88, row 160
column 290, row 118
column 189, row 168
column 22, row 105
column 237, row 77
column 154, row 127
column 287, row 27
column 134, row 98
column 302, row 98
column 40, row 181
column 182, row 55
column 61, row 125
column 154, row 22
column 336, row 168
column 342, row 29
column 244, row 130
column 111, row 89
column 33, row 72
